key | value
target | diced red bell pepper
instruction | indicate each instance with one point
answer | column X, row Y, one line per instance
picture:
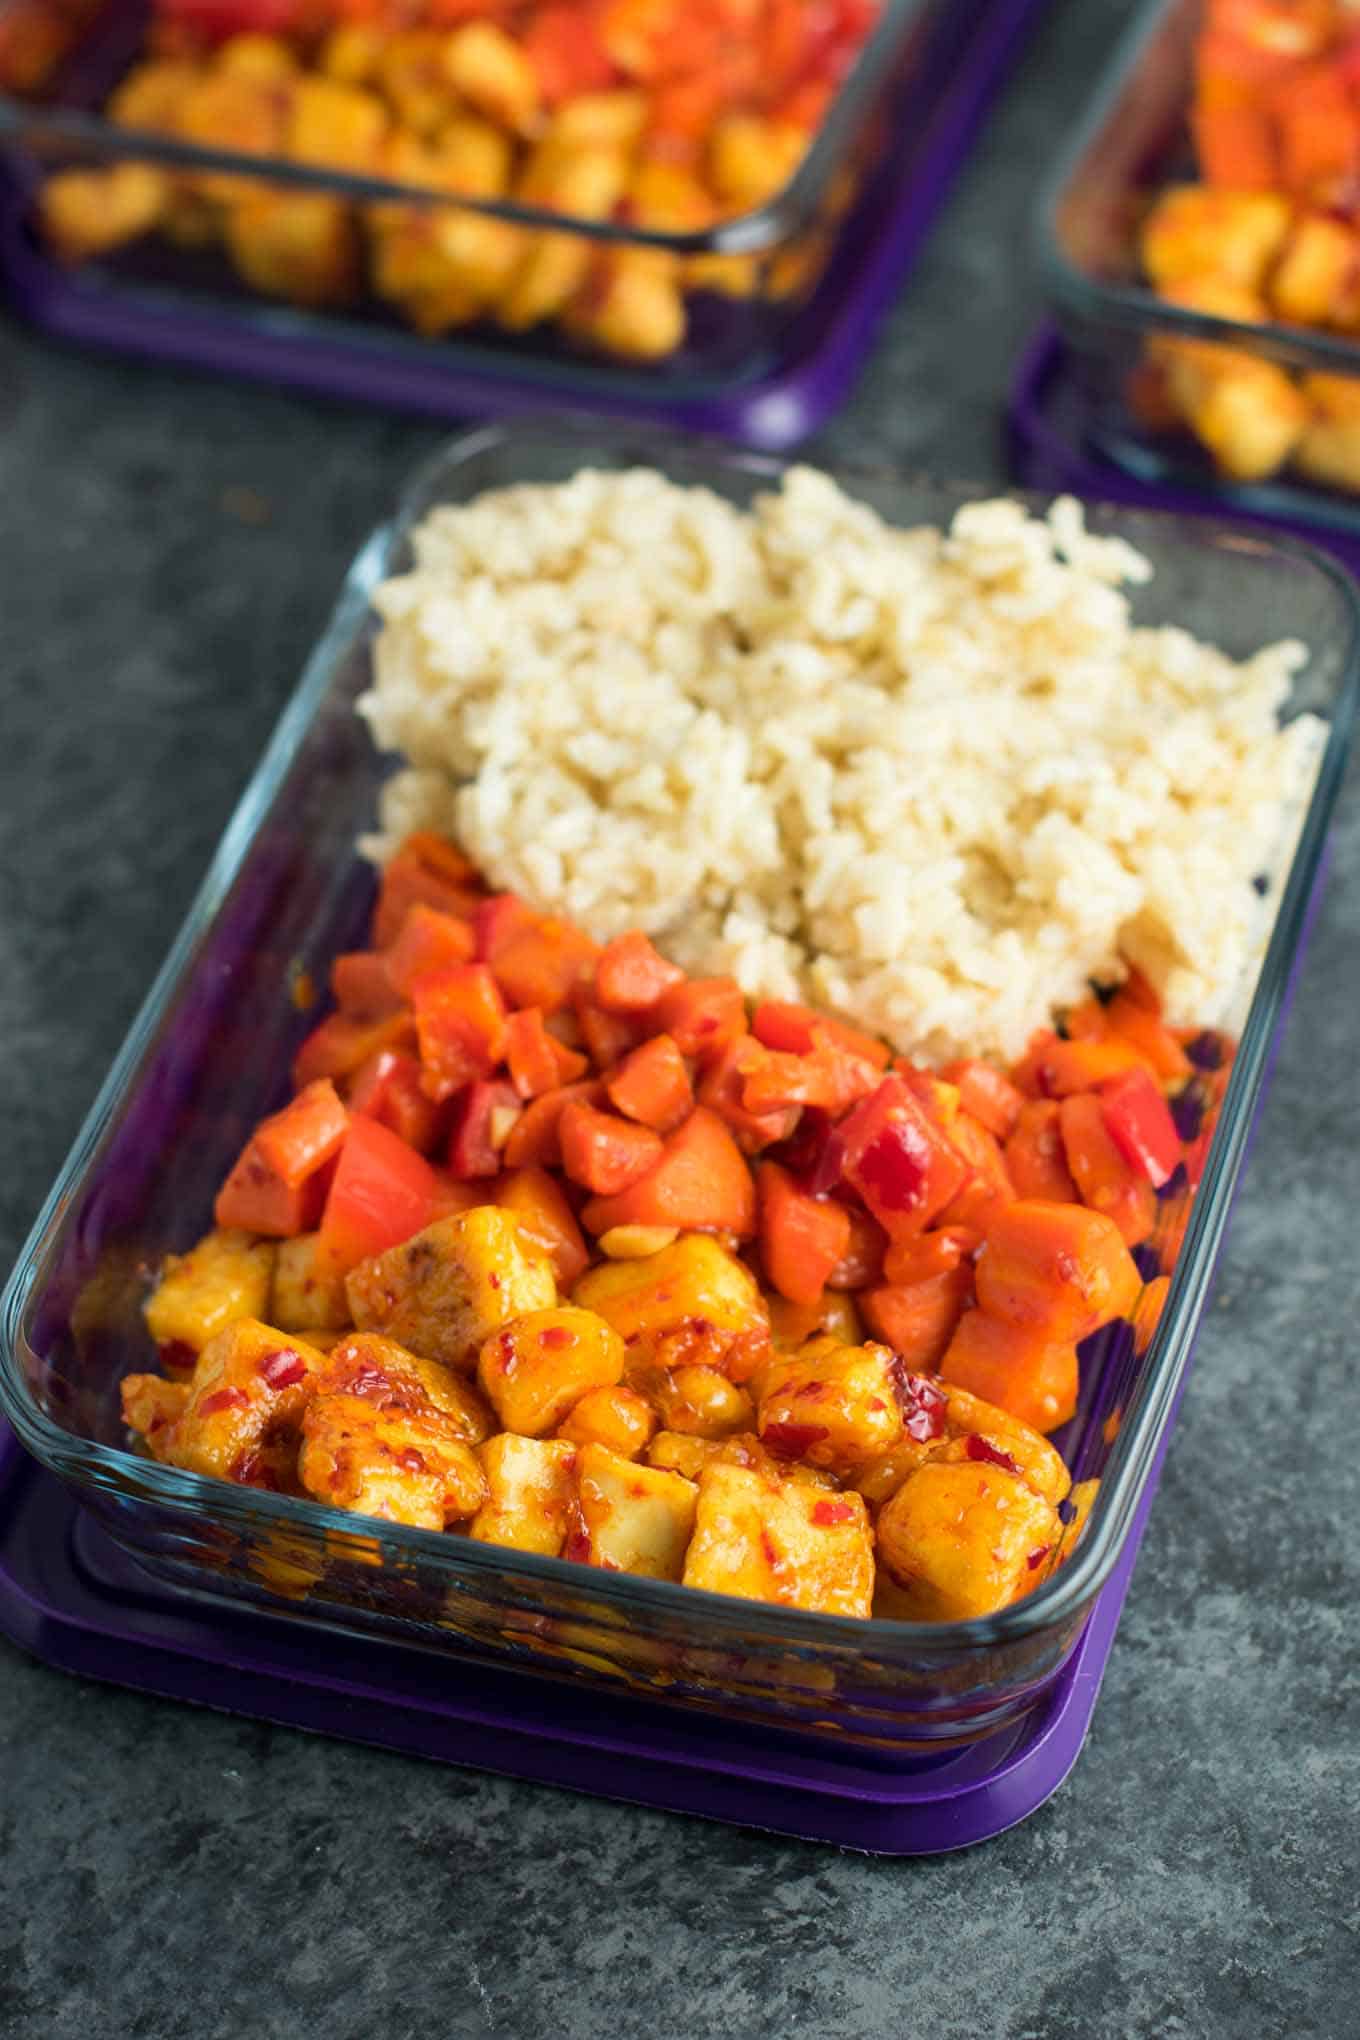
column 985, row 1093
column 652, row 1085
column 802, row 1238
column 780, row 1024
column 1196, row 1155
column 363, row 990
column 702, row 1015
column 902, row 1165
column 381, row 1193
column 460, row 1026
column 721, row 1088
column 602, row 1152
column 537, row 1200
column 429, row 941
column 1015, row 1367
column 1106, row 1180
column 631, row 976
column 484, row 1115
column 861, row 1265
column 1140, row 1123
column 536, row 1059
column 533, row 1140
column 277, row 1184
column 917, row 1319
column 1035, row 1159
column 539, row 965
column 701, row 1184
column 498, row 921
column 340, row 1045
column 388, row 1088
column 607, row 1036
column 428, row 869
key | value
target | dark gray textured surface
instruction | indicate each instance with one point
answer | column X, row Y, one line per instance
column 169, row 549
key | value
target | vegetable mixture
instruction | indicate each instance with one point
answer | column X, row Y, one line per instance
column 561, row 1249
column 1269, row 234
column 668, row 115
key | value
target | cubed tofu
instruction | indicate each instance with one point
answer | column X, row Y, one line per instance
column 335, row 126
column 835, row 1407
column 750, row 159
column 678, row 1452
column 1037, row 1462
column 531, row 1493
column 301, row 246
column 1315, row 282
column 1329, row 451
column 224, row 1277
column 635, row 1518
column 306, row 1292
column 151, row 1406
column 700, row 1401
column 767, row 1539
column 614, row 119
column 617, row 1417
column 367, row 1364
column 408, row 1466
column 631, row 304
column 444, row 1292
column 835, row 1315
column 964, row 1539
column 250, row 1386
column 410, row 73
column 90, row 212
column 1196, row 231
column 490, row 71
column 691, row 1304
column 535, row 1367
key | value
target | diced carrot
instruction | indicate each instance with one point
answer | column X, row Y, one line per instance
column 533, row 1139
column 1058, row 1267
column 702, row 1015
column 483, row 1117
column 537, row 1060
column 986, row 1093
column 1143, row 1030
column 1059, row 1069
column 630, row 976
column 989, row 1189
column 497, row 922
column 1139, row 990
column 802, row 1238
column 652, row 1085
column 1318, row 128
column 917, row 1319
column 537, row 1200
column 780, row 1024
column 721, row 1087
column 428, row 941
column 1086, row 1021
column 1236, row 147
column 1105, row 1180
column 861, row 1265
column 901, row 1163
column 607, row 1036
column 305, row 1134
column 362, row 988
column 1148, row 1313
column 1015, row 1367
column 429, row 870
column 828, row 1077
column 701, row 1184
column 381, row 1193
column 387, row 1087
column 460, row 1026
column 1034, row 1155
column 340, row 1045
column 277, row 1184
column 602, row 1152
column 566, row 53
column 539, row 965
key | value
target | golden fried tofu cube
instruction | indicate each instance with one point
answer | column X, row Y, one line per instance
column 411, row 75
column 668, row 198
column 365, row 1363
column 1246, row 412
column 750, row 159
column 700, row 1401
column 1195, row 231
column 306, row 1292
column 444, row 1292
column 405, row 1465
column 245, row 115
column 490, row 71
column 1315, row 282
column 585, row 183
column 351, row 52
column 965, row 1539
column 150, row 96
column 266, row 58
column 533, row 1368
column 636, row 1519
column 335, row 126
column 531, row 1493
column 250, row 1386
column 617, row 1417
column 475, row 158
column 1329, row 451
column 225, row 1276
column 834, row 1315
column 151, row 1406
column 298, row 245
column 631, row 305
column 1035, row 1460
column 552, row 269
column 613, row 119
column 834, row 1406
column 680, row 1452
column 91, row 212
column 686, row 1305
column 767, row 1539
column 883, row 1475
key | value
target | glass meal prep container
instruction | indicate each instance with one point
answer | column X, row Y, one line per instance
column 589, row 255
column 1263, row 413
column 209, row 1054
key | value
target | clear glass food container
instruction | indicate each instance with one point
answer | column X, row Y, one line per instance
column 1132, row 143
column 209, row 1054
column 695, row 309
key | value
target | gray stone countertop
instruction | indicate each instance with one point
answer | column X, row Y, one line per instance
column 170, row 547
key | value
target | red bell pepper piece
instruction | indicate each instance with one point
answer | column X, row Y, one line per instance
column 533, row 1139
column 536, row 1059
column 721, row 1088
column 483, row 1118
column 802, row 1238
column 428, row 941
column 1140, row 1123
column 630, row 976
column 702, row 1015
column 381, row 1193
column 340, row 1045
column 277, row 1184
column 428, row 869
column 902, row 1165
column 537, row 1200
column 602, row 1152
column 780, row 1024
column 652, row 1085
column 539, row 965
column 918, row 1319
column 498, row 921
column 362, row 988
column 460, row 1026
column 388, row 1088
column 701, row 1184
column 985, row 1093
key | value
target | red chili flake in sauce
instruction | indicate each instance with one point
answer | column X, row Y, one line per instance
column 577, row 1547
column 178, row 1356
column 283, row 1369
column 824, row 1514
column 369, row 1381
column 251, row 1471
column 411, row 1461
column 981, row 1448
column 791, row 1441
column 557, row 1336
column 223, row 1399
column 494, row 1279
column 922, row 1405
column 1036, row 1558
column 506, row 1350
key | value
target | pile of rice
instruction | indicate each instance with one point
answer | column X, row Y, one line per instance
column 934, row 781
